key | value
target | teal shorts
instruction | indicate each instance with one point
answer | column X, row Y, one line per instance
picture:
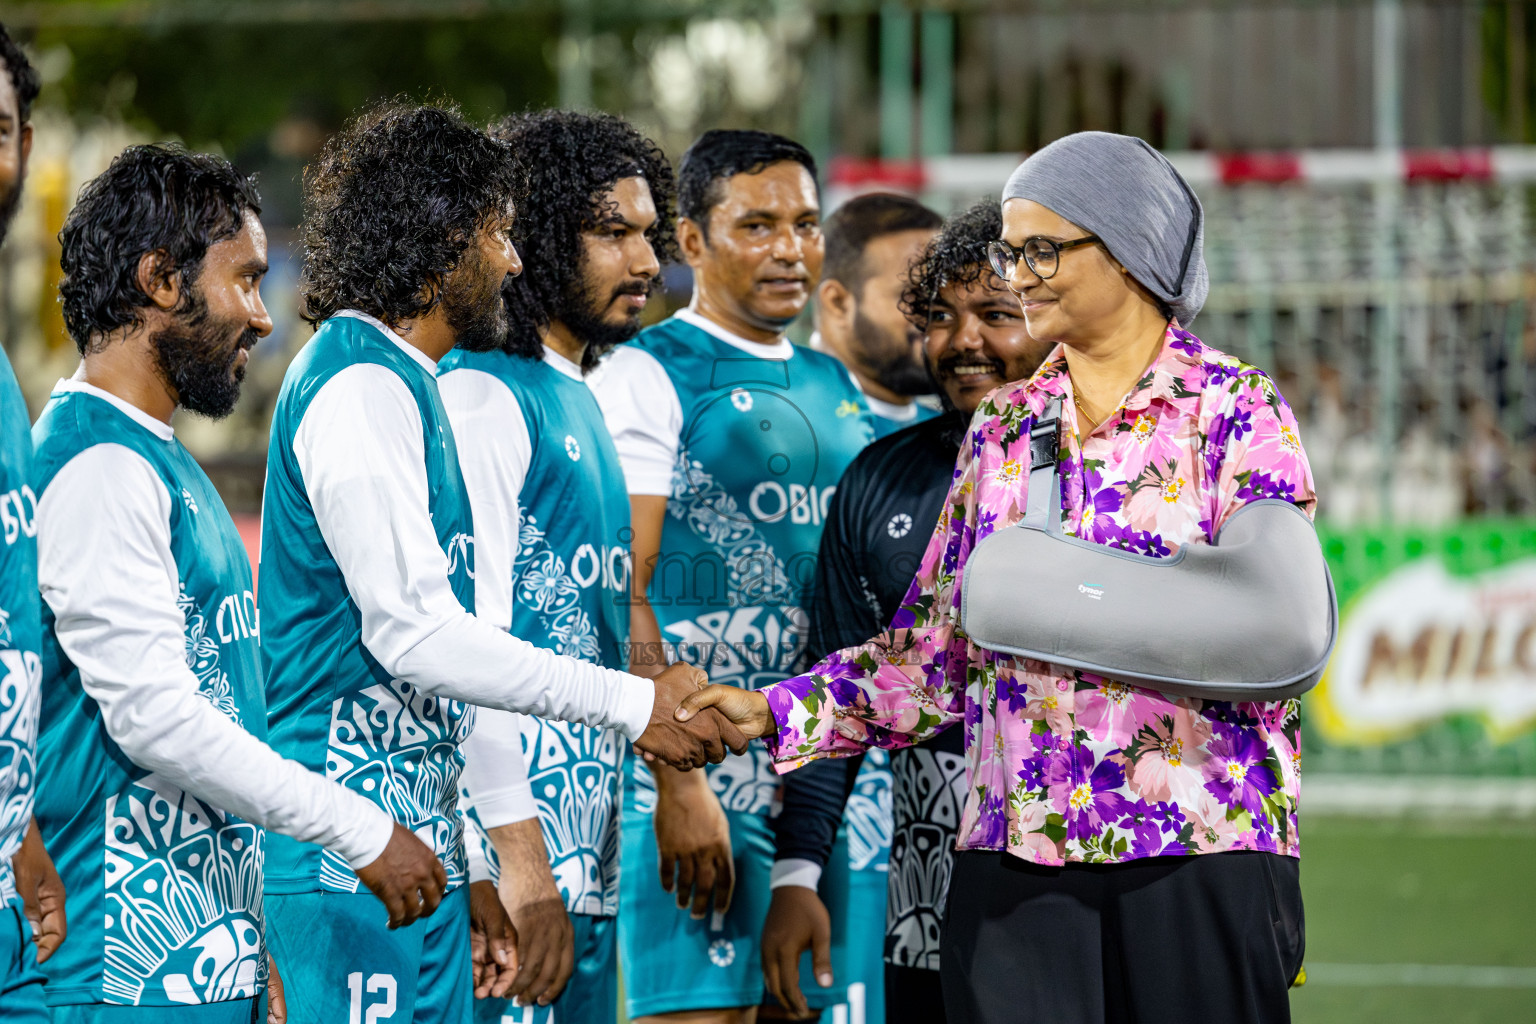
column 590, row 997
column 21, row 982
column 672, row 962
column 231, row 1011
column 340, row 963
column 866, row 947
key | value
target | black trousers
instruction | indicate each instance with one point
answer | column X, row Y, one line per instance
column 1217, row 937
column 913, row 995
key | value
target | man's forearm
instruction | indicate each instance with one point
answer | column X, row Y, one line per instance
column 524, row 860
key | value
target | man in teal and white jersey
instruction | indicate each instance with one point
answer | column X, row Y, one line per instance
column 374, row 658
column 732, row 441
column 871, row 241
column 21, row 983
column 552, row 541
column 155, row 783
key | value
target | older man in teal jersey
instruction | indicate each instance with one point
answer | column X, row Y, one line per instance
column 732, row 440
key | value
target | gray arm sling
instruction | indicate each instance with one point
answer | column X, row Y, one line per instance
column 1252, row 616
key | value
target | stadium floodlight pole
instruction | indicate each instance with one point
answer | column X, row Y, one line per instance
column 1387, row 201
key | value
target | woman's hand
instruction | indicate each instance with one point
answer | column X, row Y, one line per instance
column 747, row 709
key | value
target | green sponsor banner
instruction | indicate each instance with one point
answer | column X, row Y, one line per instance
column 1435, row 669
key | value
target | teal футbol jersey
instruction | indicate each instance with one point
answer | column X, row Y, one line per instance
column 763, row 445
column 164, row 891
column 332, row 707
column 570, row 594
column 20, row 624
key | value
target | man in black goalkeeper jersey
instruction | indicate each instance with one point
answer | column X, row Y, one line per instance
column 879, row 522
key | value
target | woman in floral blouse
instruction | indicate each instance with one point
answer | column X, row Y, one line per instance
column 1124, row 854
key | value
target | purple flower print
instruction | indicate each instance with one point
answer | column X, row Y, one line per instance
column 986, row 522
column 991, row 822
column 1235, row 772
column 1183, row 341
column 1098, row 524
column 1088, row 795
column 1261, row 485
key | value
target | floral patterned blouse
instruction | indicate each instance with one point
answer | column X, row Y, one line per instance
column 1066, row 765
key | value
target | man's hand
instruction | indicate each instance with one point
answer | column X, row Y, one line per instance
column 797, row 921
column 690, row 741
column 277, row 1004
column 42, row 893
column 546, row 954
column 693, row 841
column 747, row 709
column 492, row 942
column 407, row 878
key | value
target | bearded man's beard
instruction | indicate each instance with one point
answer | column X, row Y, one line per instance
column 584, row 312
column 900, row 369
column 196, row 357
column 473, row 305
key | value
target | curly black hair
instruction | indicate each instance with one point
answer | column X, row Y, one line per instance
column 23, row 75
column 722, row 153
column 956, row 256
column 570, row 160
column 150, row 198
column 391, row 205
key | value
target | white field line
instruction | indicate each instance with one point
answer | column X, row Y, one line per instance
column 1374, row 796
column 1419, row 976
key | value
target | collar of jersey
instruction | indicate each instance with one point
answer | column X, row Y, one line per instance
column 781, row 349
column 564, row 365
column 889, row 410
column 161, row 430
column 405, row 346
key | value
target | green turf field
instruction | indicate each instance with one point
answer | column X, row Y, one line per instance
column 1409, row 923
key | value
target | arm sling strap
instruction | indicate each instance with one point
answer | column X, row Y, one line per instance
column 1252, row 616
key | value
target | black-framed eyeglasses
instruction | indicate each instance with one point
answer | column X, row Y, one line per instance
column 1042, row 255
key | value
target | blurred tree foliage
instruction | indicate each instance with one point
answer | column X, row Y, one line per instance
column 229, row 84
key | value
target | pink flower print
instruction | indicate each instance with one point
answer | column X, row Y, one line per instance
column 1170, row 753
column 1157, row 500
column 1143, row 429
column 1048, row 701
column 1114, row 711
column 1008, row 472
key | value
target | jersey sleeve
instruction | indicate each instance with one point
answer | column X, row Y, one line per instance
column 107, row 572
column 360, row 452
column 644, row 415
column 494, row 454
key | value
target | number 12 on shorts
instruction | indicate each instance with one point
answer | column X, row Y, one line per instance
column 379, row 985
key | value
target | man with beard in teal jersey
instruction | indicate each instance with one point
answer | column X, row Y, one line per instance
column 552, row 544
column 21, row 983
column 732, row 441
column 374, row 658
column 156, row 784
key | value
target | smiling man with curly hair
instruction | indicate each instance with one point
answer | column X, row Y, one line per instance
column 552, row 537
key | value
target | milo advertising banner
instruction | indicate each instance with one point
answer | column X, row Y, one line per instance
column 1435, row 668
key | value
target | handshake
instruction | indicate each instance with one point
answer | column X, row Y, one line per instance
column 694, row 723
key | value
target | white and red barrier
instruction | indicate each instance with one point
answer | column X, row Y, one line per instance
column 980, row 174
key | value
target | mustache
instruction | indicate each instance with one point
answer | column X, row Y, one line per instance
column 637, row 287
column 247, row 340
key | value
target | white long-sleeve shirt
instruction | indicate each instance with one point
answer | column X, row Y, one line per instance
column 361, row 453
column 106, row 570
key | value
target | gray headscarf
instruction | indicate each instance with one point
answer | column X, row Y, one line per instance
column 1127, row 193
